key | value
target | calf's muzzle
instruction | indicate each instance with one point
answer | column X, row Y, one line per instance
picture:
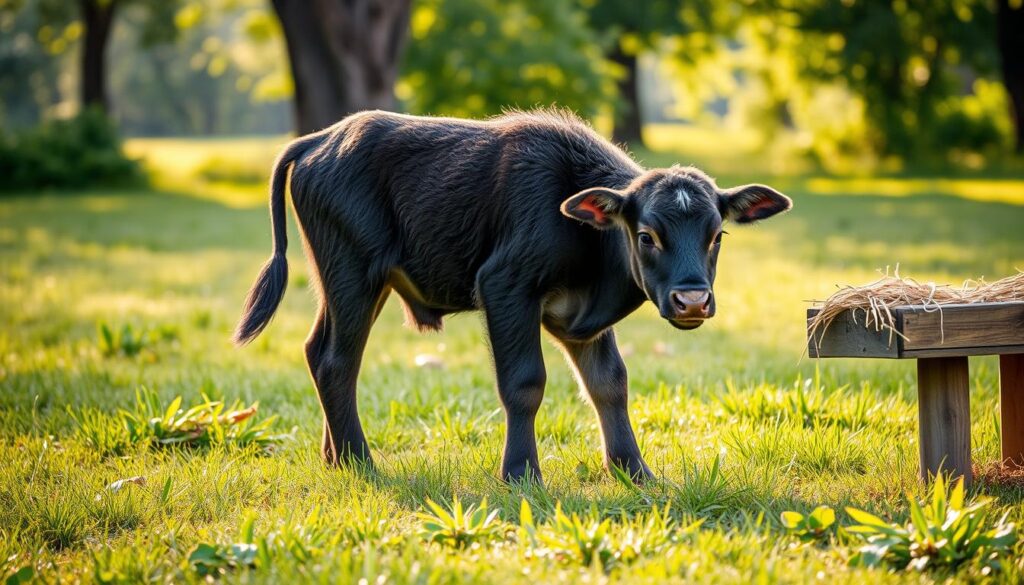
column 691, row 305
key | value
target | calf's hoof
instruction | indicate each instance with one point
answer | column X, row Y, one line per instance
column 524, row 473
column 636, row 469
column 348, row 458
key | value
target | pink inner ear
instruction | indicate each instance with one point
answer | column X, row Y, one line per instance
column 760, row 204
column 588, row 205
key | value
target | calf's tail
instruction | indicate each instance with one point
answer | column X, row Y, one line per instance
column 266, row 293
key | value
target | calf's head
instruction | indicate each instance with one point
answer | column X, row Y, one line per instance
column 673, row 219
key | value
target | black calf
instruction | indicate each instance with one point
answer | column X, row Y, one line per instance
column 531, row 217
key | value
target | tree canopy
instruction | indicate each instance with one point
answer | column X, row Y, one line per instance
column 909, row 60
column 476, row 57
column 901, row 78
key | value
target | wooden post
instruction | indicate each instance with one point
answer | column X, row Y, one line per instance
column 1011, row 409
column 944, row 413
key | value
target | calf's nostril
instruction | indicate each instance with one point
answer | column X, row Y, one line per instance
column 677, row 300
column 691, row 302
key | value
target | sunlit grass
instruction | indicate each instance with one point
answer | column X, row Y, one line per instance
column 995, row 190
column 738, row 425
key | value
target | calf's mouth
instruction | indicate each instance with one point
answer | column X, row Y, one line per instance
column 686, row 324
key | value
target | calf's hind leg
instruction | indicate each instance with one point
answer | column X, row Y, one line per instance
column 334, row 352
column 315, row 344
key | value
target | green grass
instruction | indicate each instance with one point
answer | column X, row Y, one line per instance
column 736, row 423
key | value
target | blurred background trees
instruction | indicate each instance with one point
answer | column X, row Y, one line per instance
column 473, row 58
column 922, row 68
column 888, row 81
column 344, row 56
column 632, row 28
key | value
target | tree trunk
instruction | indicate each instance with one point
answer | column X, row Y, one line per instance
column 98, row 18
column 1010, row 39
column 344, row 56
column 628, row 125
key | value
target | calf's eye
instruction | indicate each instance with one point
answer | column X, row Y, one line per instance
column 646, row 240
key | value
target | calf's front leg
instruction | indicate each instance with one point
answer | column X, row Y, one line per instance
column 513, row 325
column 601, row 373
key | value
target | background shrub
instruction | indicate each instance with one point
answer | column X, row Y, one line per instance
column 83, row 151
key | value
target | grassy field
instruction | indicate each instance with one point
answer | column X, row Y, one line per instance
column 738, row 425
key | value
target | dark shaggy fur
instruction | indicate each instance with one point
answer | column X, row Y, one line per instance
column 531, row 217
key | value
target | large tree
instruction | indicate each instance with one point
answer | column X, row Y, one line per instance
column 1010, row 39
column 98, row 21
column 635, row 27
column 344, row 55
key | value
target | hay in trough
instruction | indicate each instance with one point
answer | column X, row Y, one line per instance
column 875, row 301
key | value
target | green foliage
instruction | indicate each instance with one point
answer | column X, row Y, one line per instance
column 507, row 54
column 459, row 527
column 29, row 71
column 212, row 559
column 303, row 539
column 636, row 27
column 806, row 404
column 975, row 122
column 651, row 537
column 126, row 341
column 588, row 541
column 203, row 425
column 80, row 152
column 152, row 424
column 22, row 575
column 110, row 568
column 61, row 522
column 812, row 527
column 904, row 59
column 943, row 533
column 572, row 539
column 298, row 539
column 225, row 73
column 101, row 432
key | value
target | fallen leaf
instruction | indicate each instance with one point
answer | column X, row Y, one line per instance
column 121, row 483
column 240, row 415
column 117, row 485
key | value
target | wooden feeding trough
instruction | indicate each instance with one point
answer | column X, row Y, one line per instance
column 941, row 338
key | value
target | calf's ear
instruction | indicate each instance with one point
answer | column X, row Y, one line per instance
column 597, row 206
column 749, row 203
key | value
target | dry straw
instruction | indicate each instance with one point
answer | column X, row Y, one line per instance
column 877, row 300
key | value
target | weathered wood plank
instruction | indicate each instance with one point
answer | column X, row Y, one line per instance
column 962, row 351
column 974, row 325
column 944, row 415
column 959, row 330
column 1011, row 408
column 847, row 336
